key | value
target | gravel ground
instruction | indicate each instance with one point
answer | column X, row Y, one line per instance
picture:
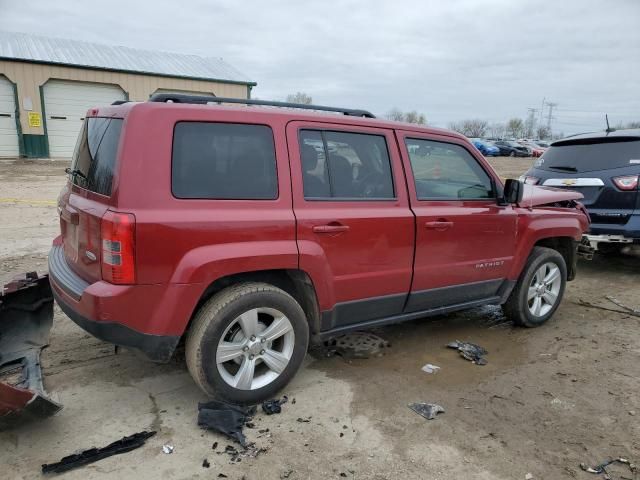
column 549, row 398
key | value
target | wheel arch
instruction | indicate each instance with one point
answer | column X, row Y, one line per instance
column 565, row 246
column 296, row 283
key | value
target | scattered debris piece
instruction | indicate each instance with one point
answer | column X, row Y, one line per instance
column 26, row 316
column 615, row 301
column 125, row 444
column 225, row 418
column 286, row 474
column 222, row 475
column 248, row 451
column 427, row 410
column 584, row 303
column 274, row 406
column 356, row 345
column 167, row 448
column 602, row 468
column 214, row 446
column 429, row 368
column 303, row 420
column 528, row 476
column 205, row 463
column 470, row 351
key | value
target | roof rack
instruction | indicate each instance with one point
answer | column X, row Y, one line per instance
column 203, row 100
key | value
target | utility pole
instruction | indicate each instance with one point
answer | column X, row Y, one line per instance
column 542, row 110
column 551, row 106
column 531, row 122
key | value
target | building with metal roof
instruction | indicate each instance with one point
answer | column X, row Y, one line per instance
column 48, row 84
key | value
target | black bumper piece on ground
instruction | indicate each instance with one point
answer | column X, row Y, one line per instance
column 158, row 348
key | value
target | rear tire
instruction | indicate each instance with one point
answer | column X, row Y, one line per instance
column 539, row 290
column 246, row 343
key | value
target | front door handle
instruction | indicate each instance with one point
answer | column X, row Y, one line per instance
column 440, row 225
column 330, row 228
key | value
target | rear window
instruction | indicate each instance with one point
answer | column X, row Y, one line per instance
column 94, row 158
column 225, row 161
column 583, row 157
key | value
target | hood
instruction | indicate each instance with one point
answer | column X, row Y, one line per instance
column 535, row 195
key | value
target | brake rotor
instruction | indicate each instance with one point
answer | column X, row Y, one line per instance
column 358, row 345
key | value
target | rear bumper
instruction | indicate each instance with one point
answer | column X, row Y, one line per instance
column 148, row 318
column 630, row 230
column 158, row 348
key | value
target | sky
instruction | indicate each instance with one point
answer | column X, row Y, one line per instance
column 451, row 60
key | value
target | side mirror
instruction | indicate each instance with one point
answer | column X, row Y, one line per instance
column 513, row 191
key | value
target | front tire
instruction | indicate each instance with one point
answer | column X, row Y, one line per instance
column 539, row 290
column 247, row 342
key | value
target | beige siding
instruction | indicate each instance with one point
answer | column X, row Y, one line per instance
column 29, row 77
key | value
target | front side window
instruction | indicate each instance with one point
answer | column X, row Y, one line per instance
column 224, row 161
column 345, row 166
column 94, row 158
column 445, row 171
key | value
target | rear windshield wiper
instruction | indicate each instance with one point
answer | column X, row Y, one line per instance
column 75, row 172
column 564, row 169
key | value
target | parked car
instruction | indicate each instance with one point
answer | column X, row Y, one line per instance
column 486, row 148
column 248, row 233
column 510, row 148
column 536, row 151
column 604, row 167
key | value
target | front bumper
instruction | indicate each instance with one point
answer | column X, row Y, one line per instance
column 111, row 312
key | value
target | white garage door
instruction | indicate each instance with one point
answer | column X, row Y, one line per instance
column 66, row 104
column 8, row 130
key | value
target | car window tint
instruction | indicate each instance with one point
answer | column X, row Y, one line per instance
column 599, row 154
column 444, row 171
column 223, row 161
column 94, row 157
column 349, row 165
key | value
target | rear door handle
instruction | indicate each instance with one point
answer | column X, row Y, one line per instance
column 439, row 225
column 331, row 228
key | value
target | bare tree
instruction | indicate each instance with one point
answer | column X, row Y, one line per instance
column 497, row 130
column 476, row 128
column 470, row 128
column 623, row 126
column 300, row 97
column 456, row 127
column 398, row 115
column 515, row 127
column 543, row 132
column 395, row 114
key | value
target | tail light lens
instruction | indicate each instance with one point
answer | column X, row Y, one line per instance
column 627, row 182
column 118, row 247
column 529, row 180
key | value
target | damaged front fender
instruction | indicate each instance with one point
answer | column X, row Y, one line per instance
column 26, row 316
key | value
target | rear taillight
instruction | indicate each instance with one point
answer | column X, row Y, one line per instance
column 529, row 180
column 118, row 247
column 627, row 182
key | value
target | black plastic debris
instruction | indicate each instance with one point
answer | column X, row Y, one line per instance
column 225, row 418
column 427, row 410
column 125, row 444
column 205, row 463
column 470, row 351
column 274, row 406
column 601, row 469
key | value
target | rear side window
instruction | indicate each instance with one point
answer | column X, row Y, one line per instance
column 585, row 157
column 94, row 158
column 444, row 171
column 345, row 166
column 224, row 161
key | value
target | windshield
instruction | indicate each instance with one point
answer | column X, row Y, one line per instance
column 594, row 156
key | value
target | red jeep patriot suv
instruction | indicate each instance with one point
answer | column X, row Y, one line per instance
column 249, row 231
